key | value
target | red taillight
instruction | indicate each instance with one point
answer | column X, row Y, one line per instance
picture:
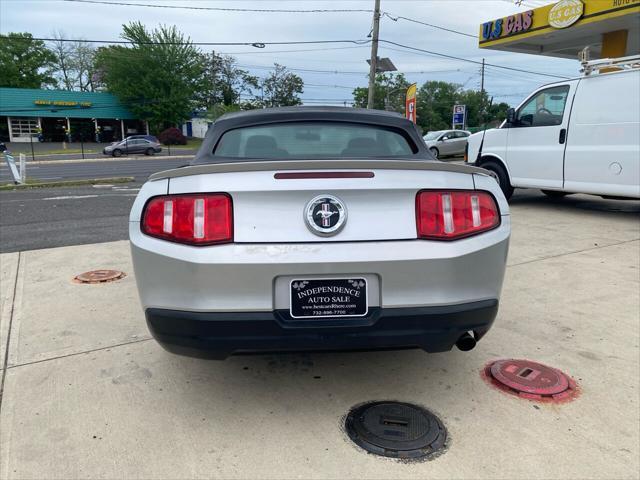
column 194, row 219
column 449, row 215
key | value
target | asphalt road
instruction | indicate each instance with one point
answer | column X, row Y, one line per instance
column 139, row 168
column 55, row 217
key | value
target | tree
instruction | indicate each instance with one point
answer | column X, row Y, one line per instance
column 63, row 52
column 436, row 100
column 157, row 78
column 25, row 62
column 389, row 93
column 480, row 108
column 223, row 82
column 281, row 88
column 75, row 63
column 85, row 63
column 434, row 104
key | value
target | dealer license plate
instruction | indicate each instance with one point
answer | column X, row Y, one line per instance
column 329, row 297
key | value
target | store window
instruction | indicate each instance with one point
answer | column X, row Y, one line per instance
column 23, row 127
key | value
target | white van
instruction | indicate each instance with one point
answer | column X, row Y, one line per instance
column 576, row 136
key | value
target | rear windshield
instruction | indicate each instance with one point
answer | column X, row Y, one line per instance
column 314, row 140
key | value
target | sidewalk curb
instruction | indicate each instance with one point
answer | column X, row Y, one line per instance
column 7, row 302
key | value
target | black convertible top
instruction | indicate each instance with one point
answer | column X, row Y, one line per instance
column 231, row 121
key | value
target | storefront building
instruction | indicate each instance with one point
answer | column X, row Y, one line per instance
column 609, row 28
column 64, row 116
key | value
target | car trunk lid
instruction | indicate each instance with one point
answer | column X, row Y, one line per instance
column 271, row 200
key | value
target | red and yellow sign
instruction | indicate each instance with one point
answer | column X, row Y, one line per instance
column 410, row 103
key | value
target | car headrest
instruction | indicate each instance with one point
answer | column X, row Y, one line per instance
column 263, row 146
column 361, row 146
column 361, row 142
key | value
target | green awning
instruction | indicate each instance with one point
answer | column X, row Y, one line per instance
column 28, row 102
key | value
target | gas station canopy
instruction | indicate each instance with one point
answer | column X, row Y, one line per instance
column 610, row 28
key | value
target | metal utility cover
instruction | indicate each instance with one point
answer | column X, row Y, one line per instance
column 395, row 429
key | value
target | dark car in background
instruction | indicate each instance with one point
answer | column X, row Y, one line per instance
column 132, row 145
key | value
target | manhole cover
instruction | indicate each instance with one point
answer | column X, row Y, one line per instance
column 531, row 380
column 395, row 429
column 99, row 276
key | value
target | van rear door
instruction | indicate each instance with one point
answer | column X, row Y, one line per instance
column 536, row 140
column 603, row 148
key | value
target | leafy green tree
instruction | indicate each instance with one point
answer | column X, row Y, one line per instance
column 389, row 93
column 25, row 62
column 157, row 78
column 436, row 100
column 223, row 83
column 434, row 103
column 281, row 88
column 480, row 108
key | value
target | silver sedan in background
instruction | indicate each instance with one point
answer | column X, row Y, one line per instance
column 318, row 228
column 132, row 145
column 443, row 143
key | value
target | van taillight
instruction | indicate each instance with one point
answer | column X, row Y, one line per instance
column 449, row 215
column 193, row 219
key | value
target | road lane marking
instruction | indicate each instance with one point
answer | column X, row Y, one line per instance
column 71, row 197
column 78, row 197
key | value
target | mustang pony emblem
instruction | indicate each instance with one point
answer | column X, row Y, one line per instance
column 325, row 215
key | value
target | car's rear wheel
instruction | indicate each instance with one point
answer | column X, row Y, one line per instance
column 434, row 151
column 149, row 151
column 117, row 152
column 554, row 193
column 503, row 177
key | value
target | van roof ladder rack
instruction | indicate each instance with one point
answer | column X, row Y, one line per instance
column 622, row 63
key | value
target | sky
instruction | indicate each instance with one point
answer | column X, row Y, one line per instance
column 342, row 66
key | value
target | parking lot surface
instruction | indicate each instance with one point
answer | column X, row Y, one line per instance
column 87, row 393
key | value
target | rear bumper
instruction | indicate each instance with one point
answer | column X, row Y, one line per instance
column 218, row 334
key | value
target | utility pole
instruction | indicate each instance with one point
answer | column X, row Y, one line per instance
column 482, row 78
column 374, row 54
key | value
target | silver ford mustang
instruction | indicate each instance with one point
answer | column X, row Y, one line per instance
column 318, row 228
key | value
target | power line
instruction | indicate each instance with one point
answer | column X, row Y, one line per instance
column 299, row 42
column 308, row 70
column 389, row 15
column 328, row 86
column 395, row 18
column 339, row 72
column 503, row 74
column 452, row 57
column 250, row 44
column 226, row 9
column 253, row 52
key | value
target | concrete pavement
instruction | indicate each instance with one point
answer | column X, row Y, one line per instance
column 88, row 394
